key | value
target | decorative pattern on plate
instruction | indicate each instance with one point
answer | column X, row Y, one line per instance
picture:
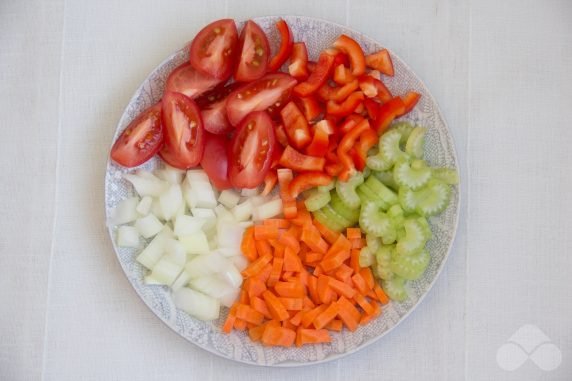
column 440, row 151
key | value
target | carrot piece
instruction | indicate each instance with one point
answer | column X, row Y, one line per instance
column 353, row 233
column 313, row 336
column 287, row 275
column 288, row 324
column 372, row 295
column 280, row 223
column 276, row 308
column 310, row 316
column 341, row 288
column 360, row 283
column 303, row 218
column 348, row 313
column 247, row 246
column 341, row 244
column 318, row 271
column 343, row 272
column 254, row 287
column 324, row 290
column 313, row 257
column 364, row 304
column 276, row 271
column 260, row 305
column 264, row 274
column 264, row 232
column 274, row 243
column 292, row 304
column 298, row 340
column 296, row 230
column 313, row 289
column 308, row 303
column 255, row 333
column 297, row 319
column 303, row 276
column 257, row 266
column 289, row 240
column 327, row 315
column 239, row 324
column 291, row 289
column 335, row 325
column 249, row 314
column 329, row 235
column 334, row 260
column 368, row 277
column 291, row 260
column 229, row 322
column 366, row 318
column 381, row 295
column 311, row 237
column 289, row 209
column 263, row 248
column 243, row 298
column 357, row 243
column 354, row 260
column 278, row 336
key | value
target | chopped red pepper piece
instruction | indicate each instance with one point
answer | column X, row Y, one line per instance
column 338, row 94
column 354, row 53
column 285, row 46
column 299, row 162
column 308, row 180
column 299, row 62
column 380, row 61
column 296, row 125
column 317, row 78
column 347, row 107
column 410, row 100
column 310, row 107
column 344, row 147
column 269, row 182
column 387, row 113
column 319, row 145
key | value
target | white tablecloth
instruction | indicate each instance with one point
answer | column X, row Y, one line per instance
column 502, row 73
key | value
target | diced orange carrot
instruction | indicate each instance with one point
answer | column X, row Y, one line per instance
column 297, row 319
column 247, row 246
column 341, row 288
column 254, row 287
column 322, row 288
column 289, row 209
column 263, row 248
column 260, row 305
column 276, row 271
column 229, row 322
column 311, row 237
column 302, row 218
column 264, row 232
column 335, row 325
column 239, row 324
column 280, row 223
column 278, row 336
column 296, row 231
column 286, row 274
column 381, row 295
column 326, row 316
column 360, row 283
column 368, row 277
column 364, row 304
column 353, row 233
column 264, row 274
column 334, row 260
column 313, row 289
column 366, row 318
column 292, row 304
column 348, row 313
column 343, row 272
column 354, row 260
column 289, row 240
column 257, row 266
column 291, row 260
column 357, row 243
column 288, row 324
column 308, row 303
column 244, row 299
column 279, row 251
column 372, row 295
column 341, row 244
column 329, row 235
column 255, row 333
column 312, row 336
column 276, row 308
column 303, row 276
column 313, row 257
column 274, row 243
column 249, row 314
column 290, row 289
column 310, row 316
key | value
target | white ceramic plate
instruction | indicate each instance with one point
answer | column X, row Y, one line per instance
column 440, row 151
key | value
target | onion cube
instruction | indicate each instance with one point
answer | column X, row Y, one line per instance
column 127, row 236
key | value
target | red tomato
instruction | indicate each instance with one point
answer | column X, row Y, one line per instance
column 251, row 150
column 318, row 76
column 254, row 53
column 296, row 125
column 354, row 53
column 215, row 161
column 285, row 46
column 213, row 109
column 380, row 61
column 186, row 80
column 258, row 96
column 142, row 138
column 214, row 48
column 184, row 132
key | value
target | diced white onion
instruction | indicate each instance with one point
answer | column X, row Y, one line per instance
column 170, row 174
column 195, row 243
column 205, row 264
column 268, row 210
column 243, row 212
column 249, row 192
column 127, row 236
column 144, row 206
column 148, row 279
column 197, row 304
column 175, row 251
column 229, row 198
column 187, row 225
column 246, row 224
column 239, row 261
column 199, row 195
column 148, row 226
column 146, row 184
column 125, row 211
column 229, row 251
column 258, row 200
column 211, row 285
column 181, row 281
column 223, row 213
column 156, row 209
column 231, row 275
column 166, row 271
column 154, row 250
column 229, row 233
column 230, row 297
column 208, row 215
column 171, row 201
column 197, row 175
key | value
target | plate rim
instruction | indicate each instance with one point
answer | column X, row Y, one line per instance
column 337, row 356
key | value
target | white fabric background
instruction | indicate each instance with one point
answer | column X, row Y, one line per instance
column 501, row 71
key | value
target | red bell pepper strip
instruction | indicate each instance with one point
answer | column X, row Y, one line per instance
column 337, row 94
column 387, row 113
column 372, row 108
column 367, row 140
column 354, row 52
column 343, row 75
column 410, row 100
column 299, row 162
column 345, row 145
column 308, row 180
column 296, row 125
column 298, row 67
column 380, row 61
column 281, row 135
column 374, row 88
column 317, row 78
column 347, row 107
column 285, row 46
column 310, row 107
column 350, row 122
column 269, row 182
column 285, row 177
column 319, row 145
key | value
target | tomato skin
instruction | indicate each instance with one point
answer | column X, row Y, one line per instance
column 285, row 46
column 254, row 53
column 184, row 131
column 258, row 96
column 250, row 156
column 187, row 80
column 146, row 126
column 219, row 62
column 215, row 161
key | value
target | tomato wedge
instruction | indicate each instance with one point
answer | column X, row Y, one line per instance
column 140, row 140
column 318, row 77
column 296, row 125
column 214, row 48
column 186, row 80
column 184, row 132
column 213, row 109
column 215, row 161
column 285, row 46
column 258, row 96
column 381, row 61
column 298, row 67
column 251, row 150
column 254, row 53
column 354, row 52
